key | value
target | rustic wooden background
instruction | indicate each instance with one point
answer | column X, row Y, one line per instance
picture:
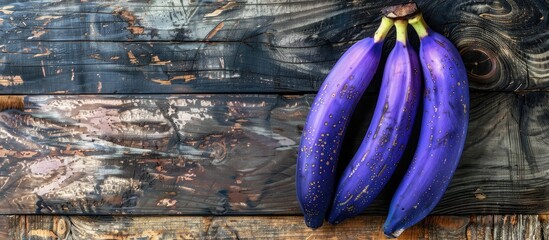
column 190, row 107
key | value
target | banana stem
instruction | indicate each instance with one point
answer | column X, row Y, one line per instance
column 384, row 27
column 401, row 31
column 419, row 24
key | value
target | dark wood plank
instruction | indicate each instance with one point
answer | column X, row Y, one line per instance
column 253, row 46
column 505, row 144
column 235, row 154
column 199, row 154
column 140, row 47
column 155, row 67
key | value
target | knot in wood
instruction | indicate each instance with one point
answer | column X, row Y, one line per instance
column 218, row 151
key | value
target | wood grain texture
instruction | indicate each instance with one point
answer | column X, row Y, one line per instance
column 544, row 220
column 173, row 46
column 484, row 227
column 5, row 225
column 235, row 154
column 505, row 227
column 248, row 227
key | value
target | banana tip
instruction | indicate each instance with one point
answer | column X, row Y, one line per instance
column 314, row 223
column 334, row 221
column 394, row 234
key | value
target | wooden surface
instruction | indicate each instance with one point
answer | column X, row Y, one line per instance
column 272, row 227
column 183, row 46
column 171, row 107
column 235, row 154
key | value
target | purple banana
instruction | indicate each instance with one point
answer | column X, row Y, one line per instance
column 442, row 135
column 388, row 134
column 327, row 120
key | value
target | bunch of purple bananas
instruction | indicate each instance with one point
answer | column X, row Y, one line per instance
column 445, row 95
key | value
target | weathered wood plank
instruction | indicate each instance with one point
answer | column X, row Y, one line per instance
column 505, row 227
column 248, row 227
column 235, row 154
column 5, row 225
column 544, row 220
column 244, row 46
column 129, row 67
column 262, row 227
column 173, row 20
column 506, row 138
